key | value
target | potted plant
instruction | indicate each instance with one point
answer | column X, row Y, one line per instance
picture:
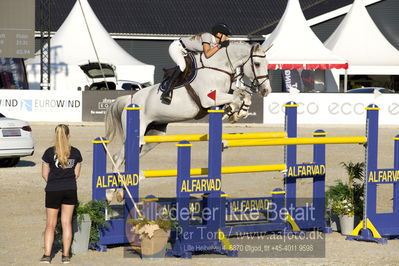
column 154, row 235
column 81, row 225
column 95, row 211
column 346, row 199
column 88, row 219
column 345, row 211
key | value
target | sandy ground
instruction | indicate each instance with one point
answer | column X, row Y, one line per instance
column 22, row 194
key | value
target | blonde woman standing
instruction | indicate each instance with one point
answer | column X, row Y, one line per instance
column 60, row 169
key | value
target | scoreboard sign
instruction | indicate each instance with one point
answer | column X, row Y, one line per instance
column 17, row 24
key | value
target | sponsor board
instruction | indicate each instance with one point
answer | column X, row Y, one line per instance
column 255, row 110
column 48, row 106
column 96, row 103
column 331, row 108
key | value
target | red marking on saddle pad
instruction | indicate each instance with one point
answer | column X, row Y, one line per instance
column 212, row 95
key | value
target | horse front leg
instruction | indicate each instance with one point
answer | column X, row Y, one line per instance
column 235, row 104
column 243, row 111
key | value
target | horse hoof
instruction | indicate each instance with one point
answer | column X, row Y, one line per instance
column 119, row 195
column 233, row 118
column 243, row 114
column 109, row 194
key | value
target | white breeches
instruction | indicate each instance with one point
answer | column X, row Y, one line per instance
column 177, row 53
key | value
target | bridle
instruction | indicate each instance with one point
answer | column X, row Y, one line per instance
column 255, row 84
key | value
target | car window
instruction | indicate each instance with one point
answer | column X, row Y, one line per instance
column 1, row 115
column 130, row 86
column 101, row 86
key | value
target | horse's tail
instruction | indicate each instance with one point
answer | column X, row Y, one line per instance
column 113, row 121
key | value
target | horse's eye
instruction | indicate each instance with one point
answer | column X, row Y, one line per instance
column 257, row 64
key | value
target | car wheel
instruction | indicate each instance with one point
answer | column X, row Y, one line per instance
column 9, row 162
column 14, row 161
column 3, row 162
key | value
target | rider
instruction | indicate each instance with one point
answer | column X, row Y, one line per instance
column 201, row 42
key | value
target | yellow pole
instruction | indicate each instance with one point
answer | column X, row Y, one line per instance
column 205, row 137
column 253, row 168
column 295, row 141
column 225, row 170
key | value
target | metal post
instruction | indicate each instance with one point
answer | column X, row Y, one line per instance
column 215, row 142
column 370, row 189
column 183, row 202
column 290, row 152
column 132, row 149
column 99, row 168
column 319, row 183
column 213, row 200
column 45, row 51
column 396, row 184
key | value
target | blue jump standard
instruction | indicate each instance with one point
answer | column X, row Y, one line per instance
column 378, row 227
column 190, row 238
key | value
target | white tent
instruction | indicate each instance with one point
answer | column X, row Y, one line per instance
column 359, row 40
column 295, row 46
column 72, row 46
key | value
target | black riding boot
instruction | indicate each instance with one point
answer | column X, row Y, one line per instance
column 166, row 96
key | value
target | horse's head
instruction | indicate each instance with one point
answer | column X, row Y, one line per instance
column 255, row 68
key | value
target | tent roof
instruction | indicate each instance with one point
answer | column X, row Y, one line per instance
column 359, row 40
column 296, row 46
column 71, row 44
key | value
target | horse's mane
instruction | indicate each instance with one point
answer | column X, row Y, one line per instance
column 238, row 48
column 239, row 43
column 247, row 45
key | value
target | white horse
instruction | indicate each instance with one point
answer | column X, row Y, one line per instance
column 215, row 73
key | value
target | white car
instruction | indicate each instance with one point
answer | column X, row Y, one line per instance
column 107, row 71
column 16, row 141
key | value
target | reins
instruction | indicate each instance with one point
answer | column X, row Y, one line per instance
column 254, row 84
column 231, row 75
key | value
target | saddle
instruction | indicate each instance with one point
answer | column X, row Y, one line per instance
column 187, row 76
column 184, row 79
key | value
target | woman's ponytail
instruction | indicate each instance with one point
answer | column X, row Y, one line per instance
column 62, row 145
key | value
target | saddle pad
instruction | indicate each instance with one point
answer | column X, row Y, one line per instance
column 186, row 77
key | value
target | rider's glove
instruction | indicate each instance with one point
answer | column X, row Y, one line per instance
column 225, row 43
